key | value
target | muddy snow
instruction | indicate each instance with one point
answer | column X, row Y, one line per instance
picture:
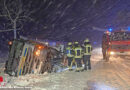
column 112, row 75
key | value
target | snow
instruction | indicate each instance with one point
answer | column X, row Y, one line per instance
column 113, row 75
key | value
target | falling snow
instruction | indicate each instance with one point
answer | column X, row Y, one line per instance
column 69, row 17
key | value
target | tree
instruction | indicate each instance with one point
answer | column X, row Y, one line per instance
column 15, row 13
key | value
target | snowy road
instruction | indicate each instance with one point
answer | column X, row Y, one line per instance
column 113, row 75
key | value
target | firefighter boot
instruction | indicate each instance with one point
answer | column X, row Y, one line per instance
column 89, row 68
column 85, row 68
column 70, row 69
column 82, row 70
column 77, row 70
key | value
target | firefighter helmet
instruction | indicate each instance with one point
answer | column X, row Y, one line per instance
column 76, row 42
column 86, row 40
column 70, row 43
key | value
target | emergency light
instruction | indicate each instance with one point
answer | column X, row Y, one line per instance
column 110, row 29
column 40, row 47
column 37, row 53
column 107, row 32
column 129, row 28
column 38, row 50
column 1, row 79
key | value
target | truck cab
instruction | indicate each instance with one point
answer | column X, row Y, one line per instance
column 116, row 43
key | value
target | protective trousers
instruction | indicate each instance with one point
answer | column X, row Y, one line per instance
column 70, row 59
column 86, row 61
column 79, row 64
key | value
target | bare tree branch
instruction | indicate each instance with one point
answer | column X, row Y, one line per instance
column 7, row 11
column 6, row 30
column 3, row 15
column 26, row 17
column 10, row 30
column 19, row 11
column 16, row 13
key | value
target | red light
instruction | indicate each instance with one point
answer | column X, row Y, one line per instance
column 107, row 32
column 1, row 79
column 10, row 42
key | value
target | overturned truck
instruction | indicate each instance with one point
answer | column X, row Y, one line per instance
column 27, row 56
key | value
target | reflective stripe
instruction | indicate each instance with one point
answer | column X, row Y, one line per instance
column 69, row 51
column 78, row 52
column 22, row 61
column 20, row 71
column 88, row 49
column 25, row 52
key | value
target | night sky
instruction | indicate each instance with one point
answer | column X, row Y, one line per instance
column 67, row 20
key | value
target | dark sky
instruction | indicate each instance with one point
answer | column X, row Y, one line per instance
column 72, row 19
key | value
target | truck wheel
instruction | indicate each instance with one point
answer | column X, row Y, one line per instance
column 107, row 57
column 104, row 54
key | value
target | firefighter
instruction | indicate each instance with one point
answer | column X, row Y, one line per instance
column 70, row 55
column 78, row 56
column 87, row 48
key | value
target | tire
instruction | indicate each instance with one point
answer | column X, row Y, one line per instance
column 107, row 57
column 104, row 54
column 104, row 57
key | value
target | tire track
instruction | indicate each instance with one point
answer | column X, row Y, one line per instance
column 122, row 78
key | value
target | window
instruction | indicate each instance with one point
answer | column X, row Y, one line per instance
column 119, row 36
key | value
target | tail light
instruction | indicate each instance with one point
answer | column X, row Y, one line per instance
column 10, row 43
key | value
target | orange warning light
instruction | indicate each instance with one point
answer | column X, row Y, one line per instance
column 37, row 53
column 40, row 47
column 10, row 42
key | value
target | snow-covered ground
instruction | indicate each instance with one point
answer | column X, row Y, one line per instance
column 113, row 75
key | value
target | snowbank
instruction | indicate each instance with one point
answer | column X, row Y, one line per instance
column 97, row 54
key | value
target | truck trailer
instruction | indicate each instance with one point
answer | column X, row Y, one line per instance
column 27, row 56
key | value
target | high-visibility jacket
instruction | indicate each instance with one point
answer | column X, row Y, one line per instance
column 78, row 52
column 69, row 52
column 87, row 49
